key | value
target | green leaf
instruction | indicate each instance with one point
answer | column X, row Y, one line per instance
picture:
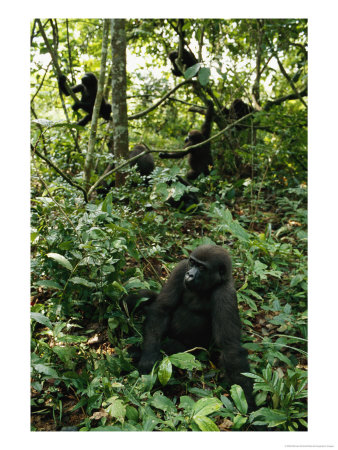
column 204, row 75
column 107, row 205
column 61, row 260
column 164, row 371
column 227, row 403
column 239, row 399
column 272, row 417
column 97, row 233
column 40, row 318
column 132, row 413
column 185, row 361
column 239, row 421
column 162, row 402
column 206, row 406
column 46, row 370
column 147, row 382
column 49, row 284
column 192, row 71
column 187, row 403
column 116, row 409
column 205, row 424
column 72, row 339
column 113, row 323
column 296, row 280
column 83, row 281
column 200, row 392
column 150, row 422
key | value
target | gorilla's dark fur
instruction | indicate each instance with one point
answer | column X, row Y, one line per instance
column 145, row 163
column 197, row 305
column 88, row 89
column 199, row 158
column 188, row 60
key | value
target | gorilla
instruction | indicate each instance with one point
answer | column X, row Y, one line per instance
column 237, row 110
column 199, row 158
column 196, row 306
column 145, row 163
column 88, row 89
column 188, row 60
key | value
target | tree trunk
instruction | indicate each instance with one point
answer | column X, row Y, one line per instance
column 119, row 88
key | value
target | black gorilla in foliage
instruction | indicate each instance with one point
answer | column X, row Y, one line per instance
column 197, row 305
column 145, row 163
column 199, row 158
column 237, row 110
column 88, row 89
column 188, row 60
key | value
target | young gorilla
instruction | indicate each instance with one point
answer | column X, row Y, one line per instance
column 196, row 305
column 188, row 60
column 199, row 158
column 145, row 164
column 88, row 89
column 237, row 110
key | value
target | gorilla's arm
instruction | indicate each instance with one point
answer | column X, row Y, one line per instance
column 207, row 124
column 62, row 85
column 176, row 155
column 158, row 316
column 226, row 328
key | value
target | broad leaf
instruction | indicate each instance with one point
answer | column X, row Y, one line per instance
column 192, row 71
column 61, row 260
column 162, row 402
column 116, row 409
column 83, row 281
column 164, row 371
column 238, row 397
column 205, row 424
column 185, row 361
column 204, row 75
column 206, row 406
column 40, row 318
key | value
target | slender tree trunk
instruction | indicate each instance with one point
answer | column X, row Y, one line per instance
column 96, row 111
column 119, row 89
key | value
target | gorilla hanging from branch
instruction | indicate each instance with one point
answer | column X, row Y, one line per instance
column 88, row 89
column 197, row 305
column 199, row 158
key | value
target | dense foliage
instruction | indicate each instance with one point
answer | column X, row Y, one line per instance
column 88, row 253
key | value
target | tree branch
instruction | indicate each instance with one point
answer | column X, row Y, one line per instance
column 291, row 83
column 269, row 104
column 54, row 58
column 97, row 105
column 63, row 175
column 155, row 105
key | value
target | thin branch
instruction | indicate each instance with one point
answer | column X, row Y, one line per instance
column 155, row 105
column 54, row 58
column 291, row 83
column 280, row 100
column 42, row 81
column 97, row 105
column 64, row 176
column 255, row 88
